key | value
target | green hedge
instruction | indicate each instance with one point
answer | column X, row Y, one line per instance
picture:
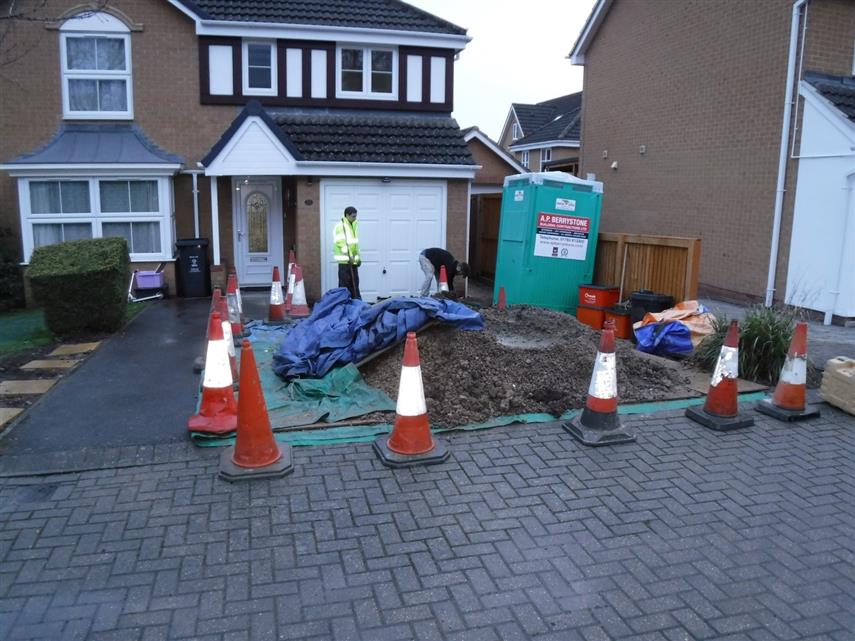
column 82, row 284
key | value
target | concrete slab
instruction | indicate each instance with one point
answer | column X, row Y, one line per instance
column 700, row 382
column 22, row 388
column 7, row 414
column 75, row 348
column 59, row 363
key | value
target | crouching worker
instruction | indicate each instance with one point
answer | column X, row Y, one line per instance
column 432, row 259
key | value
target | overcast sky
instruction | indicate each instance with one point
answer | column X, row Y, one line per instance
column 518, row 53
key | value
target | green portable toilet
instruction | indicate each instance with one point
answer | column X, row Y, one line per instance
column 547, row 239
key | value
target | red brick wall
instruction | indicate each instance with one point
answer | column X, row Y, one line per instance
column 493, row 168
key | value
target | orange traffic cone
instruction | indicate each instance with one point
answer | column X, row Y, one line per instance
column 411, row 442
column 232, row 272
column 289, row 280
column 599, row 424
column 217, row 410
column 234, row 308
column 299, row 307
column 255, row 454
column 788, row 402
column 720, row 411
column 443, row 279
column 219, row 305
column 276, row 312
column 503, row 300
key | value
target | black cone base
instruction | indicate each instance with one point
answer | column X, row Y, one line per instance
column 718, row 423
column 231, row 472
column 597, row 437
column 766, row 406
column 439, row 454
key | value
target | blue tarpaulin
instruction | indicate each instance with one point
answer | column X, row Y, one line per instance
column 341, row 330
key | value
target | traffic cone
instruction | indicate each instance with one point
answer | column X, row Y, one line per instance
column 232, row 272
column 276, row 312
column 299, row 307
column 411, row 442
column 503, row 300
column 289, row 280
column 443, row 279
column 721, row 411
column 255, row 454
column 599, row 423
column 788, row 401
column 234, row 309
column 217, row 410
column 219, row 305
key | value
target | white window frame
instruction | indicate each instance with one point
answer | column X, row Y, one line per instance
column 77, row 74
column 274, row 73
column 545, row 155
column 366, row 93
column 515, row 131
column 524, row 160
column 95, row 217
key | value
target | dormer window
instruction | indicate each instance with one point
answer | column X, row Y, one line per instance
column 515, row 131
column 95, row 54
column 367, row 73
column 259, row 69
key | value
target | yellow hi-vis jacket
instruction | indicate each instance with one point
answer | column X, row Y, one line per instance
column 346, row 236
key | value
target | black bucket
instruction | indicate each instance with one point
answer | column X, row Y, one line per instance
column 644, row 301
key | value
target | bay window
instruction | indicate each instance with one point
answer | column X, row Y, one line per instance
column 367, row 73
column 136, row 209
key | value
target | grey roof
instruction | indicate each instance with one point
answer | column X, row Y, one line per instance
column 371, row 14
column 565, row 126
column 386, row 138
column 533, row 117
column 98, row 144
column 839, row 90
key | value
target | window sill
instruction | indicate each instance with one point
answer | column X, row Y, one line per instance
column 97, row 115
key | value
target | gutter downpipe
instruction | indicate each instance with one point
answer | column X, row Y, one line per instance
column 784, row 153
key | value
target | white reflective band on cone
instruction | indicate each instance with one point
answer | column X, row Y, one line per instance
column 727, row 365
column 218, row 373
column 238, row 300
column 291, row 279
column 411, row 394
column 276, row 297
column 231, row 301
column 227, row 334
column 604, row 381
column 795, row 371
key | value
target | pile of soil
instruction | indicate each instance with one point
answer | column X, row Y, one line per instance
column 526, row 360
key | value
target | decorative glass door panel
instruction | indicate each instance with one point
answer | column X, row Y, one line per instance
column 257, row 214
column 258, row 229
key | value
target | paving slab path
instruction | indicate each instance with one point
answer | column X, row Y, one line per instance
column 522, row 534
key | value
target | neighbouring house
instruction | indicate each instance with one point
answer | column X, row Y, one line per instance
column 485, row 201
column 545, row 136
column 252, row 124
column 733, row 122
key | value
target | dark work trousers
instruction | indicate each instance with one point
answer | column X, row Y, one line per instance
column 348, row 276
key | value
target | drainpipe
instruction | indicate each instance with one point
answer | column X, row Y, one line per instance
column 195, row 174
column 782, row 156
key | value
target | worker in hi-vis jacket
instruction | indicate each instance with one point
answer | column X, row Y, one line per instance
column 346, row 251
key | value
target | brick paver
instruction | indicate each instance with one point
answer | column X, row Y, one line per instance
column 523, row 534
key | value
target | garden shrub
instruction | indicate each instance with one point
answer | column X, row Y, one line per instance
column 82, row 284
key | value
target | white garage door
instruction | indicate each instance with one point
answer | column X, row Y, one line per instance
column 396, row 221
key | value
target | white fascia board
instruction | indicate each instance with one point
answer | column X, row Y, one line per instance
column 507, row 125
column 485, row 189
column 253, row 150
column 327, row 33
column 826, row 107
column 569, row 144
column 185, row 11
column 595, row 19
column 504, row 155
column 115, row 169
column 381, row 170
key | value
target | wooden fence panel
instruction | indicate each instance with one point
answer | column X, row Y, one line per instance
column 663, row 264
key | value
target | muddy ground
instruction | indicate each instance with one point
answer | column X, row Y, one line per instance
column 526, row 360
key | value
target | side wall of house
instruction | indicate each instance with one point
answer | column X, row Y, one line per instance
column 493, row 168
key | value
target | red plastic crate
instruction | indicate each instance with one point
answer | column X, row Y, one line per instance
column 622, row 321
column 598, row 295
column 591, row 316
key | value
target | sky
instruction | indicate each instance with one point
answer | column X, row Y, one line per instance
column 518, row 53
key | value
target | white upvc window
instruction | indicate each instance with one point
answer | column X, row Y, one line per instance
column 259, row 68
column 366, row 72
column 95, row 59
column 56, row 209
column 515, row 131
column 524, row 159
column 545, row 155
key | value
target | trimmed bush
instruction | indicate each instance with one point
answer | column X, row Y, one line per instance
column 82, row 284
column 11, row 281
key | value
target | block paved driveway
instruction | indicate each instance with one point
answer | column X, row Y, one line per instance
column 522, row 534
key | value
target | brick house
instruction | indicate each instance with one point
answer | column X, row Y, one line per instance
column 732, row 122
column 545, row 136
column 250, row 123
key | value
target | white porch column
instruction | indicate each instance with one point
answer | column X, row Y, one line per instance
column 215, row 220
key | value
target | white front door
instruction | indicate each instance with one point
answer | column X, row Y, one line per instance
column 396, row 221
column 257, row 230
